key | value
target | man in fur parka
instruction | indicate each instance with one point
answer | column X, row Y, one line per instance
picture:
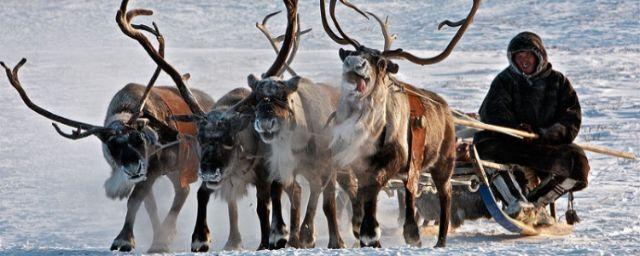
column 529, row 95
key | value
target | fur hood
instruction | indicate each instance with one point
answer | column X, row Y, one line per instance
column 528, row 41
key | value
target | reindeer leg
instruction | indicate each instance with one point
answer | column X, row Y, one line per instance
column 168, row 230
column 402, row 206
column 329, row 208
column 370, row 229
column 279, row 234
column 262, row 209
column 307, row 230
column 294, row 192
column 152, row 210
column 410, row 228
column 234, row 242
column 201, row 237
column 347, row 182
column 124, row 241
column 441, row 175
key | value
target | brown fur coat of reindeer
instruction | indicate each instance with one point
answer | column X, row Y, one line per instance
column 384, row 127
column 141, row 143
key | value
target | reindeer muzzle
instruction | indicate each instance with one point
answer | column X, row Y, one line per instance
column 136, row 173
column 211, row 178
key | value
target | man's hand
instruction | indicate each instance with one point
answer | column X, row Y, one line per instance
column 553, row 133
column 527, row 128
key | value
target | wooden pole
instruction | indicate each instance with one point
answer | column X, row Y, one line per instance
column 522, row 134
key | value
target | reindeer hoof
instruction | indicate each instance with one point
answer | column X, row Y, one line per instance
column 440, row 244
column 123, row 245
column 412, row 235
column 278, row 244
column 278, row 238
column 200, row 245
column 158, row 248
column 336, row 245
column 374, row 244
column 307, row 237
column 262, row 246
column 294, row 242
column 200, row 240
column 232, row 246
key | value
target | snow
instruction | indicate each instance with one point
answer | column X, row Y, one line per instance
column 51, row 195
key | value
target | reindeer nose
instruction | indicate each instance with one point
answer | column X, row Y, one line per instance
column 268, row 124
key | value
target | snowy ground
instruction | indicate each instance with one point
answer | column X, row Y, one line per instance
column 51, row 195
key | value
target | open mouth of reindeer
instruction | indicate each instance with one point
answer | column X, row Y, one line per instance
column 358, row 79
column 136, row 173
column 212, row 178
column 267, row 136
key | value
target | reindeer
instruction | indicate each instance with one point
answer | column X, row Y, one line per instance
column 281, row 162
column 141, row 144
column 230, row 151
column 290, row 118
column 384, row 127
column 232, row 158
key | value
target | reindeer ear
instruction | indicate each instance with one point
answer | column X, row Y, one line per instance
column 392, row 67
column 253, row 80
column 343, row 54
column 382, row 65
column 292, row 84
column 141, row 123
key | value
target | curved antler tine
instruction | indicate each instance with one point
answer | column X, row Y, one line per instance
column 384, row 26
column 399, row 53
column 352, row 6
column 292, row 28
column 161, row 46
column 12, row 75
column 266, row 18
column 292, row 55
column 79, row 134
column 279, row 38
column 332, row 13
column 327, row 29
column 130, row 31
column 138, row 12
column 451, row 23
column 275, row 41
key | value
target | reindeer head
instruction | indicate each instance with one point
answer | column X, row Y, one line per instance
column 129, row 143
column 364, row 68
column 273, row 109
column 271, row 94
column 218, row 137
column 216, row 131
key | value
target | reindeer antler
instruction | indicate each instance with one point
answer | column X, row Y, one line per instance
column 292, row 28
column 161, row 45
column 332, row 12
column 464, row 24
column 384, row 26
column 274, row 41
column 123, row 18
column 89, row 129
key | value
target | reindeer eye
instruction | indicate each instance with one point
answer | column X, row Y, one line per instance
column 135, row 138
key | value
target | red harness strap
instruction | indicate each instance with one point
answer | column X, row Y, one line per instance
column 188, row 161
column 417, row 133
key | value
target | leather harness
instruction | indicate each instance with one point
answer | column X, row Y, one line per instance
column 417, row 134
column 188, row 161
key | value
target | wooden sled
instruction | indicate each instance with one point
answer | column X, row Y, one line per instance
column 471, row 174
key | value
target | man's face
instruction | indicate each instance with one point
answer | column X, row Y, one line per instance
column 526, row 62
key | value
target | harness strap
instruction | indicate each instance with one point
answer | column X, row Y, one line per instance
column 188, row 162
column 417, row 134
